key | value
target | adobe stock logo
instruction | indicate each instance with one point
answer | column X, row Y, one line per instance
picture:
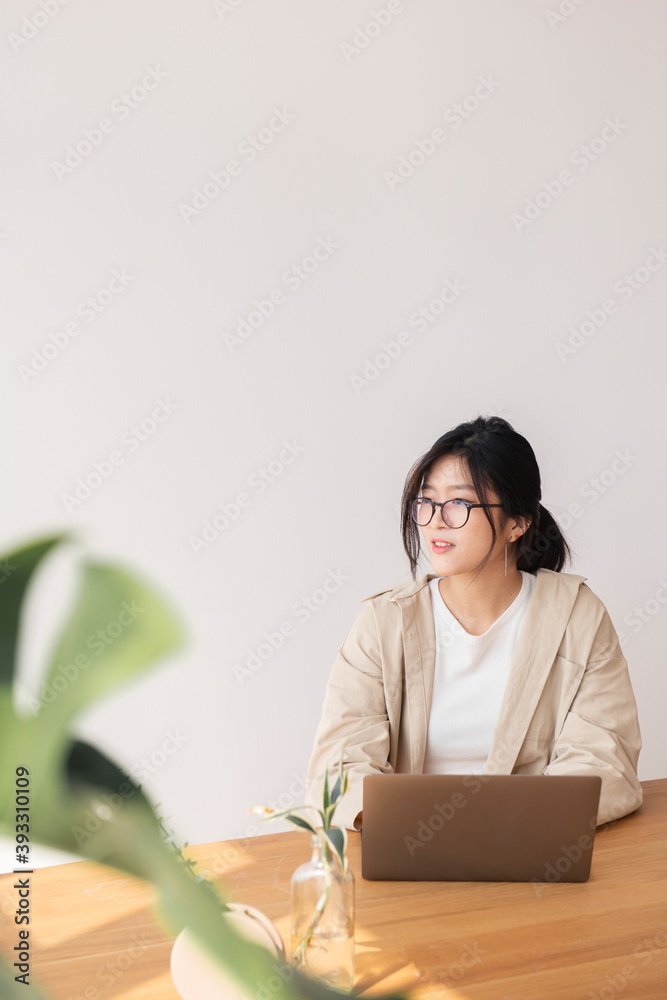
column 222, row 7
column 122, row 107
column 643, row 954
column 302, row 610
column 257, row 481
column 554, row 188
column 247, row 150
column 564, row 10
column 366, row 33
column 426, row 146
column 571, row 854
column 625, row 288
column 641, row 614
column 421, row 319
column 32, row 24
column 442, row 813
column 88, row 309
column 292, row 278
column 131, row 440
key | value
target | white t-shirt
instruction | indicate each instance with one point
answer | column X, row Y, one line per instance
column 471, row 672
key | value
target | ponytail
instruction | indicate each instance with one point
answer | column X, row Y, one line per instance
column 543, row 546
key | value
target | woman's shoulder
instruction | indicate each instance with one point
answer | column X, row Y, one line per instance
column 586, row 604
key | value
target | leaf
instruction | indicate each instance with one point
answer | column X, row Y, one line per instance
column 337, row 837
column 299, row 821
column 341, row 785
column 291, row 817
column 87, row 805
column 328, row 815
column 17, row 570
column 326, row 796
column 11, row 990
column 119, row 627
column 87, row 765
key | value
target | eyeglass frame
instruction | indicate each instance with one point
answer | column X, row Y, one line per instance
column 434, row 504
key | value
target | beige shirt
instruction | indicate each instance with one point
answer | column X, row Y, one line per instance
column 568, row 707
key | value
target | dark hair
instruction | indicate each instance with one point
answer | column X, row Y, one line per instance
column 500, row 459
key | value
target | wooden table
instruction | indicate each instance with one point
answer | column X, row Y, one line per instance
column 95, row 937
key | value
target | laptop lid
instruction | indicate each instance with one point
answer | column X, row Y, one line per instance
column 479, row 827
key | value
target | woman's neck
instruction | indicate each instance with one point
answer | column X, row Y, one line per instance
column 477, row 604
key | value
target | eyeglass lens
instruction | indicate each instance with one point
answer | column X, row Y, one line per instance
column 454, row 512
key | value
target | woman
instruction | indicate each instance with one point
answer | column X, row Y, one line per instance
column 495, row 662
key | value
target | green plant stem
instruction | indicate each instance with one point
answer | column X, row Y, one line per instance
column 327, row 855
column 314, row 921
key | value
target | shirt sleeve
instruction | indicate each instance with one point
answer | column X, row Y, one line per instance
column 354, row 710
column 600, row 733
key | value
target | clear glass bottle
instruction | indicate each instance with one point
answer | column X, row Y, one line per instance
column 323, row 917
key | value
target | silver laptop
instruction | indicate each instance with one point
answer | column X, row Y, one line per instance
column 479, row 827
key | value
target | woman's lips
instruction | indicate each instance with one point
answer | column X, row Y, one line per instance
column 441, row 548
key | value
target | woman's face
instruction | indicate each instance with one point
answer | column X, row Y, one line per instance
column 449, row 479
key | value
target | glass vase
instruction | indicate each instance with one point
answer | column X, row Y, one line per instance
column 323, row 917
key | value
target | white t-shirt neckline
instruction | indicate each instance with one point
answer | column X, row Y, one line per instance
column 451, row 623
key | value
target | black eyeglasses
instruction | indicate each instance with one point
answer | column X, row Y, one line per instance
column 455, row 513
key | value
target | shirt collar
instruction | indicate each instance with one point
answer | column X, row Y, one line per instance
column 406, row 589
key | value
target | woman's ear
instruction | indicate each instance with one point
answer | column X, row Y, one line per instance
column 519, row 526
column 523, row 524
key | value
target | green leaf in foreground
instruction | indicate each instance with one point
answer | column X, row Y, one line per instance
column 83, row 802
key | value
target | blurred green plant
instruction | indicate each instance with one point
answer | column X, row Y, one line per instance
column 75, row 802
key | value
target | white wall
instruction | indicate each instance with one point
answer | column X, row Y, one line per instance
column 344, row 100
